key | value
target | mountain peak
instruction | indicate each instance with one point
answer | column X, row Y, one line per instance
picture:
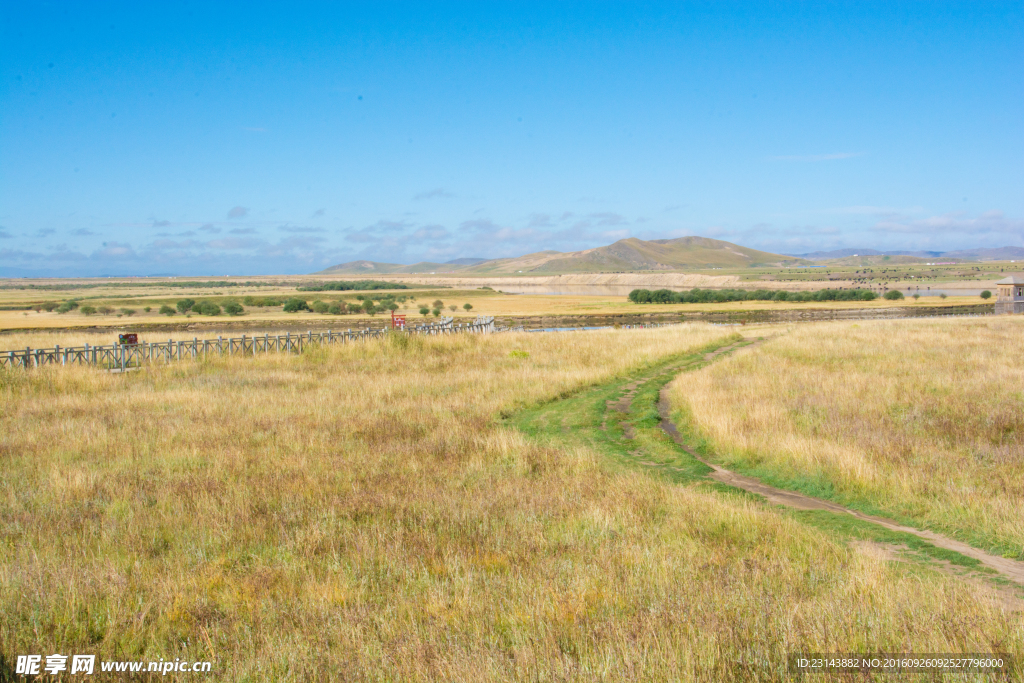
column 629, row 254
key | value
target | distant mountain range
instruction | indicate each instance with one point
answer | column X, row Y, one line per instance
column 996, row 254
column 628, row 255
column 684, row 253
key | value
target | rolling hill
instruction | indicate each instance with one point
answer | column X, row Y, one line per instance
column 377, row 268
column 628, row 255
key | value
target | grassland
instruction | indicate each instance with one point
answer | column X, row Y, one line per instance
column 920, row 421
column 484, row 302
column 375, row 512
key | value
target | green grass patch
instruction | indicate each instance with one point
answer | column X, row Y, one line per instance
column 591, row 417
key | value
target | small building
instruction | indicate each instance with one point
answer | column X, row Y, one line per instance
column 1010, row 295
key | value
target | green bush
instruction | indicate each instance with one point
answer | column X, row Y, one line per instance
column 147, row 309
column 468, row 307
column 337, row 308
column 87, row 310
column 424, row 311
column 234, row 308
column 436, row 312
column 166, row 310
column 49, row 306
column 105, row 310
column 128, row 311
column 894, row 295
column 295, row 304
column 186, row 305
column 67, row 306
column 262, row 302
column 206, row 308
column 437, row 303
column 321, row 307
column 986, row 294
column 717, row 296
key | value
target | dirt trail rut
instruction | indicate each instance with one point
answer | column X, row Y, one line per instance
column 624, row 403
column 1011, row 569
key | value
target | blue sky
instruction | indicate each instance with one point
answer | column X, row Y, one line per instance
column 210, row 138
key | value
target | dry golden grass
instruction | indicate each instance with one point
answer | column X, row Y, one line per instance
column 356, row 513
column 919, row 419
column 483, row 304
column 48, row 338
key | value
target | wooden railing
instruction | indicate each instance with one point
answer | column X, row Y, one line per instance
column 124, row 356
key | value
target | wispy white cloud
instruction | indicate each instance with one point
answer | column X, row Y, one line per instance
column 429, row 233
column 165, row 244
column 989, row 222
column 115, row 251
column 235, row 243
column 875, row 210
column 298, row 228
column 436, row 193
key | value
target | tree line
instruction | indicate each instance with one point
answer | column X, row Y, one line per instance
column 719, row 296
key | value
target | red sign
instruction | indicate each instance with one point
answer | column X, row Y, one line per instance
column 397, row 320
column 130, row 338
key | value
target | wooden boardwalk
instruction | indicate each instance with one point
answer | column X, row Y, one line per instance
column 122, row 356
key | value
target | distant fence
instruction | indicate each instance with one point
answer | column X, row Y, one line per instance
column 123, row 356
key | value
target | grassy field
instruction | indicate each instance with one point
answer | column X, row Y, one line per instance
column 380, row 512
column 483, row 302
column 123, row 303
column 916, row 420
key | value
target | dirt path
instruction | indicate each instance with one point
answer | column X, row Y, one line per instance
column 1011, row 569
column 624, row 404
